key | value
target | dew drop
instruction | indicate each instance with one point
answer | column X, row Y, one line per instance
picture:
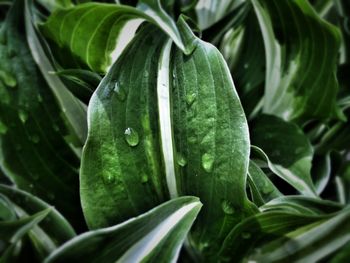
column 144, row 179
column 55, row 127
column 267, row 189
column 35, row 138
column 246, row 65
column 181, row 160
column 131, row 137
column 3, row 128
column 23, row 115
column 227, row 207
column 207, row 162
column 119, row 91
column 246, row 235
column 190, row 98
column 8, row 79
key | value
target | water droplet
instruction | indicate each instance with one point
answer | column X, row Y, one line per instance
column 299, row 150
column 8, row 79
column 108, row 178
column 119, row 91
column 144, row 179
column 146, row 74
column 180, row 159
column 246, row 235
column 131, row 137
column 23, row 115
column 246, row 65
column 35, row 138
column 227, row 207
column 207, row 162
column 3, row 128
column 31, row 186
column 190, row 98
column 267, row 189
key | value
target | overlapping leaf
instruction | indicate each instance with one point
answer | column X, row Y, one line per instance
column 89, row 33
column 33, row 152
column 288, row 149
column 301, row 57
column 155, row 236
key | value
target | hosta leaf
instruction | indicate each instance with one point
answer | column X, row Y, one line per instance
column 302, row 205
column 52, row 231
column 209, row 12
column 243, row 49
column 122, row 174
column 90, row 33
column 288, row 149
column 309, row 243
column 301, row 55
column 74, row 111
column 33, row 151
column 55, row 225
column 258, row 229
column 211, row 142
column 263, row 190
column 155, row 236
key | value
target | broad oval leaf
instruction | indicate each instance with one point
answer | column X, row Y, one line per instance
column 90, row 33
column 288, row 149
column 301, row 59
column 155, row 236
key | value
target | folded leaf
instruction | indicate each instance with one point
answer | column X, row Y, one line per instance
column 90, row 35
column 155, row 236
column 33, row 150
column 288, row 149
column 301, row 59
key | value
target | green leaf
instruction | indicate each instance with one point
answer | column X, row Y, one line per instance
column 211, row 142
column 263, row 190
column 302, row 205
column 211, row 11
column 288, row 149
column 74, row 111
column 309, row 243
column 33, row 151
column 121, row 163
column 259, row 229
column 55, row 225
column 321, row 171
column 155, row 236
column 12, row 232
column 301, row 59
column 107, row 29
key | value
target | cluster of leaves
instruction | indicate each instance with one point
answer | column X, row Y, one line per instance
column 123, row 137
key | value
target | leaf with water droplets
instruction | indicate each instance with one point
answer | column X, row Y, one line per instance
column 209, row 125
column 131, row 137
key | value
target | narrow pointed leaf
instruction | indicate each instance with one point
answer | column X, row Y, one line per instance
column 308, row 245
column 155, row 236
